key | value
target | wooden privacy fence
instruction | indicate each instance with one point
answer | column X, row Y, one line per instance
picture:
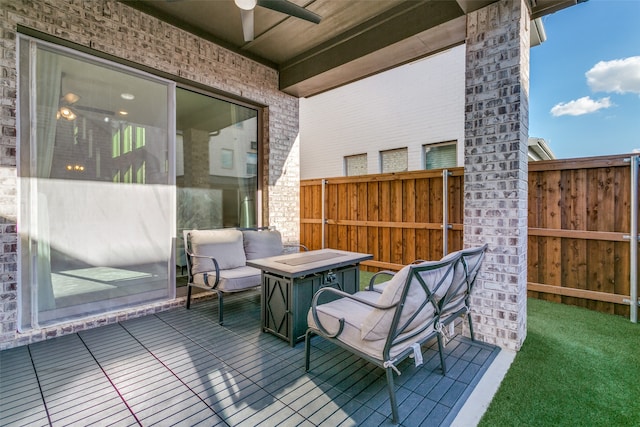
column 580, row 214
column 580, row 225
column 397, row 217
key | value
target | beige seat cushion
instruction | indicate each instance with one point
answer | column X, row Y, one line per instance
column 262, row 243
column 225, row 245
column 235, row 279
column 354, row 314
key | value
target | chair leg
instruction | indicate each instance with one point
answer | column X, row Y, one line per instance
column 188, row 296
column 392, row 396
column 220, row 313
column 307, row 350
column 441, row 351
column 470, row 327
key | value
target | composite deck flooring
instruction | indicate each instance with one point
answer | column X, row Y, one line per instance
column 181, row 368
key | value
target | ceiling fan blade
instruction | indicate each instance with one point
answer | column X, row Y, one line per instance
column 247, row 24
column 284, row 6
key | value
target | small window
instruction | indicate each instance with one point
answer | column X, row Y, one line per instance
column 440, row 156
column 226, row 158
column 252, row 164
column 355, row 165
column 394, row 160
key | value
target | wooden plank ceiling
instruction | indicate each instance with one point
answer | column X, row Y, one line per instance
column 354, row 39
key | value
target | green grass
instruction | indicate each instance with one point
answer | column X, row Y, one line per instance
column 365, row 276
column 576, row 368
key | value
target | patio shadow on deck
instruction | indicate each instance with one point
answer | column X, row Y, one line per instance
column 181, row 367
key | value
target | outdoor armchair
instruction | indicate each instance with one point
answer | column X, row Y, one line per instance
column 385, row 328
column 216, row 259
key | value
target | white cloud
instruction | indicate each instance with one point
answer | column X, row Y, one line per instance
column 618, row 76
column 584, row 105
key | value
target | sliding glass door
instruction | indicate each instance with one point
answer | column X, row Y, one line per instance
column 97, row 214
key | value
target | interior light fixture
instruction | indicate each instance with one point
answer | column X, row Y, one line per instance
column 123, row 113
column 67, row 113
column 127, row 96
column 246, row 4
column 71, row 98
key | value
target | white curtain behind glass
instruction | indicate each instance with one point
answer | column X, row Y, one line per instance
column 48, row 77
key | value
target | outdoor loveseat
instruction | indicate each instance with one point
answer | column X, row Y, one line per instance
column 216, row 259
column 391, row 321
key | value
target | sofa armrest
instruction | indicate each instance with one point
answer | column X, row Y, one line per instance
column 215, row 264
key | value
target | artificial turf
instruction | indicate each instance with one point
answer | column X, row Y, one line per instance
column 576, row 368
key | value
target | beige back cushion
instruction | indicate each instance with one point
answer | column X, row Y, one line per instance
column 262, row 244
column 458, row 290
column 377, row 324
column 224, row 245
column 458, row 287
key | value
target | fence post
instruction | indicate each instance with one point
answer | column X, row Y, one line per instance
column 445, row 211
column 634, row 239
column 324, row 220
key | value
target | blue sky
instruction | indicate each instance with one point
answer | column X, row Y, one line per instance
column 585, row 80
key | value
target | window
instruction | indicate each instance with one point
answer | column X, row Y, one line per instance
column 394, row 160
column 226, row 158
column 218, row 184
column 440, row 156
column 96, row 192
column 355, row 165
column 252, row 164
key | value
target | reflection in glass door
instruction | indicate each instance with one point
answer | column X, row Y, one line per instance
column 96, row 189
column 216, row 164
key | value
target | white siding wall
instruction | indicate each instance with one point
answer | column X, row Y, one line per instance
column 412, row 105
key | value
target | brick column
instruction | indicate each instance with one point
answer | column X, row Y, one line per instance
column 496, row 134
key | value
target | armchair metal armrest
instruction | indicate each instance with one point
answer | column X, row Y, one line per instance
column 206, row 274
column 343, row 294
column 373, row 278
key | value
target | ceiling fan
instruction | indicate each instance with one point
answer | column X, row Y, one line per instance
column 283, row 6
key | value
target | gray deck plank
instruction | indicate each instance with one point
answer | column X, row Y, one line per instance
column 31, row 417
column 181, row 367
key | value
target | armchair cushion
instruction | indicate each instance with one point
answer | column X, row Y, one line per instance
column 262, row 243
column 466, row 271
column 235, row 279
column 330, row 314
column 377, row 324
column 416, row 309
column 224, row 245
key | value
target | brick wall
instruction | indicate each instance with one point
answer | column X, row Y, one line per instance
column 116, row 29
column 496, row 129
